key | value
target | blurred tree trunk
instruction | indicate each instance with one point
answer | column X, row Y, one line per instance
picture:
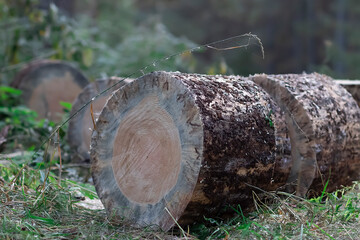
column 92, row 8
column 310, row 12
column 270, row 29
column 339, row 36
column 297, row 42
column 67, row 6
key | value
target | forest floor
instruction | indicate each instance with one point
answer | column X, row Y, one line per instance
column 37, row 204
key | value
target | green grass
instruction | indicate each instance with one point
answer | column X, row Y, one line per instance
column 35, row 209
column 285, row 216
column 35, row 206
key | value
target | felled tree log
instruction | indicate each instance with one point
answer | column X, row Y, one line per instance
column 184, row 146
column 353, row 87
column 81, row 125
column 324, row 126
column 173, row 145
column 46, row 83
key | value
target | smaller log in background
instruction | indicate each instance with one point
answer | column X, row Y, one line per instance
column 46, row 83
column 353, row 87
column 81, row 125
column 189, row 145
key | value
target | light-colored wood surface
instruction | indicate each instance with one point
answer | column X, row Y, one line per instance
column 148, row 148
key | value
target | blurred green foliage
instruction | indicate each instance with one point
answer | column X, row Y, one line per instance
column 23, row 130
column 106, row 37
column 304, row 35
column 111, row 46
column 29, row 33
column 32, row 31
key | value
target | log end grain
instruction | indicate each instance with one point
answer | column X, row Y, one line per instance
column 46, row 83
column 147, row 151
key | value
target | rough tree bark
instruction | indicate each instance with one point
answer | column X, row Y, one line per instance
column 45, row 83
column 81, row 125
column 324, row 125
column 353, row 87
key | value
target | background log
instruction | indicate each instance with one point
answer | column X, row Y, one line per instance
column 187, row 143
column 45, row 83
column 324, row 124
column 353, row 87
column 81, row 125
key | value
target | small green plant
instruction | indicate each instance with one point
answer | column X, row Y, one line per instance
column 286, row 216
column 268, row 119
column 29, row 33
column 67, row 106
column 24, row 130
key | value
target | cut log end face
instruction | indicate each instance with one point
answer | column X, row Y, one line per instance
column 46, row 84
column 45, row 98
column 146, row 160
column 147, row 151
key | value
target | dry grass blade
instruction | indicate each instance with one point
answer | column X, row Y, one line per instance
column 92, row 116
column 177, row 224
column 249, row 35
column 347, row 232
column 59, row 152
